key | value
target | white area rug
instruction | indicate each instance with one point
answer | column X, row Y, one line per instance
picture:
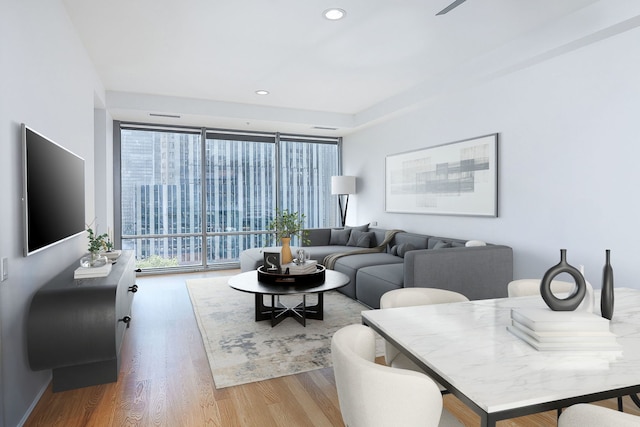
column 241, row 350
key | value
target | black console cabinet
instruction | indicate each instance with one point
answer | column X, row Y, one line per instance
column 76, row 327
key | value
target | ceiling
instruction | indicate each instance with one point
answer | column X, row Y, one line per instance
column 204, row 59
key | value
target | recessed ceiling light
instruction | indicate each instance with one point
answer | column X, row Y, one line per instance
column 262, row 92
column 334, row 14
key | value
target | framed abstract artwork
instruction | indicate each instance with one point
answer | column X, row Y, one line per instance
column 458, row 178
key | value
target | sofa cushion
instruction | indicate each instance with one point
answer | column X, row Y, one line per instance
column 455, row 243
column 361, row 239
column 378, row 236
column 339, row 237
column 317, row 236
column 320, row 252
column 364, row 227
column 404, row 248
column 418, row 241
column 373, row 282
column 441, row 244
column 350, row 265
column 251, row 259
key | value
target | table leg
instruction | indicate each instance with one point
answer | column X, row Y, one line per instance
column 316, row 311
column 635, row 399
column 487, row 421
column 262, row 311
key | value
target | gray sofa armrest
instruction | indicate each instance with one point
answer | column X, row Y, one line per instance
column 318, row 236
column 476, row 272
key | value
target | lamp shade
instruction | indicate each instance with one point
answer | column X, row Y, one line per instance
column 343, row 185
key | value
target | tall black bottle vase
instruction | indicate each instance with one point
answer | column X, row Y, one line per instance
column 606, row 294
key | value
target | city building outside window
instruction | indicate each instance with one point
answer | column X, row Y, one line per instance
column 196, row 198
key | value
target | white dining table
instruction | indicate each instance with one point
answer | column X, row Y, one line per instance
column 467, row 348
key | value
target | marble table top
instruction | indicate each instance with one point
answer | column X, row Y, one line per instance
column 468, row 346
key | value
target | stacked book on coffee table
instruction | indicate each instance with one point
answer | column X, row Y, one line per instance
column 545, row 329
column 308, row 267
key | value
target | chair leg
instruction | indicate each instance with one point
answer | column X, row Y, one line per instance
column 635, row 399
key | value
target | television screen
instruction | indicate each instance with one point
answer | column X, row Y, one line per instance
column 53, row 192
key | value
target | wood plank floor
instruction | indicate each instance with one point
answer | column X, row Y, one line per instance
column 165, row 380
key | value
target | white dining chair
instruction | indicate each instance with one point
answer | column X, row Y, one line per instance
column 407, row 297
column 530, row 287
column 374, row 395
column 585, row 415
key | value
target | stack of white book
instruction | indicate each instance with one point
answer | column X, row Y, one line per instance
column 90, row 272
column 309, row 266
column 545, row 329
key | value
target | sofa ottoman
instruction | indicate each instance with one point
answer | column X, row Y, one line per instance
column 350, row 265
column 373, row 282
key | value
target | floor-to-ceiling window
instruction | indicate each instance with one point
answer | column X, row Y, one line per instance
column 240, row 193
column 161, row 195
column 306, row 168
column 198, row 197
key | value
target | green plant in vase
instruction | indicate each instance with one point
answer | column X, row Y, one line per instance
column 107, row 244
column 286, row 225
column 97, row 242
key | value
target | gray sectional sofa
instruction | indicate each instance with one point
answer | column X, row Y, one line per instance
column 409, row 259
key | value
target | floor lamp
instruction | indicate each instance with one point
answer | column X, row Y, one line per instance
column 343, row 186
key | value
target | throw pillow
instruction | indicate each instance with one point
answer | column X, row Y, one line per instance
column 359, row 227
column 403, row 248
column 394, row 250
column 339, row 237
column 441, row 245
column 472, row 243
column 361, row 239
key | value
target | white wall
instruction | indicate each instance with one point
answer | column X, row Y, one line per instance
column 103, row 172
column 47, row 81
column 569, row 151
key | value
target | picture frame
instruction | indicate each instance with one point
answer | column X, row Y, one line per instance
column 272, row 262
column 457, row 178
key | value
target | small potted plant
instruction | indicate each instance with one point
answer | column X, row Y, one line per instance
column 97, row 242
column 285, row 225
column 111, row 254
column 107, row 244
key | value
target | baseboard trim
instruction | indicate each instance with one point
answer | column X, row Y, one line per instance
column 35, row 401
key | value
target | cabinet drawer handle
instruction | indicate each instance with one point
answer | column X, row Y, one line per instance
column 126, row 320
column 133, row 288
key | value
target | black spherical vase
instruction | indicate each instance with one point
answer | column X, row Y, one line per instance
column 572, row 301
column 606, row 294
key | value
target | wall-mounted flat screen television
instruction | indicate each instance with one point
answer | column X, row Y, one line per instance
column 53, row 192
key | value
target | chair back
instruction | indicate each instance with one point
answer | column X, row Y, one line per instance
column 530, row 287
column 408, row 297
column 586, row 415
column 373, row 395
